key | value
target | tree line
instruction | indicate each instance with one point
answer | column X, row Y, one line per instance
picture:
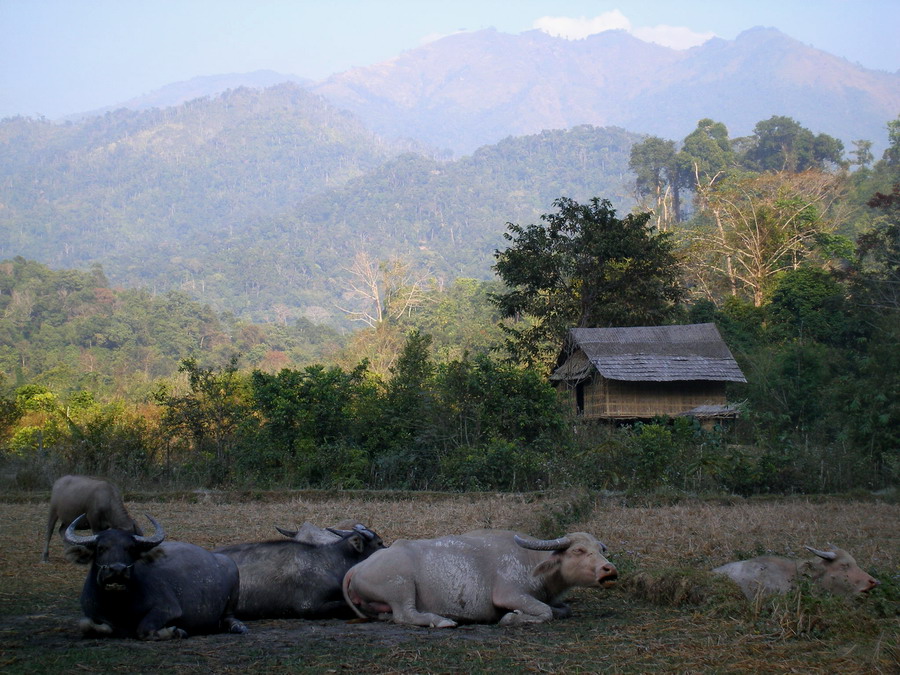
column 798, row 264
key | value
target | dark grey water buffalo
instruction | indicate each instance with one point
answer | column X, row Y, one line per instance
column 482, row 576
column 835, row 571
column 99, row 500
column 142, row 587
column 289, row 578
column 313, row 534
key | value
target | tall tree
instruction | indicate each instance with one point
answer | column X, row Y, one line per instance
column 892, row 154
column 782, row 144
column 583, row 267
column 657, row 177
column 756, row 226
column 706, row 152
column 863, row 153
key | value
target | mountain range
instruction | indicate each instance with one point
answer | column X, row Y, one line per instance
column 472, row 89
column 253, row 192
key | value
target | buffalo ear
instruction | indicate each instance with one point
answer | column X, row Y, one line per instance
column 80, row 555
column 356, row 542
column 154, row 553
column 549, row 566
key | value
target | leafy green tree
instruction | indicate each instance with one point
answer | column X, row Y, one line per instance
column 808, row 304
column 863, row 156
column 655, row 165
column 877, row 284
column 583, row 267
column 782, row 144
column 404, row 439
column 892, row 153
column 304, row 413
column 208, row 417
column 706, row 153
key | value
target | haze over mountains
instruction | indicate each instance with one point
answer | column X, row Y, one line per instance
column 471, row 89
column 260, row 197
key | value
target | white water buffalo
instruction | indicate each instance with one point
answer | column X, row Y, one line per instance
column 99, row 500
column 291, row 578
column 141, row 587
column 835, row 571
column 482, row 576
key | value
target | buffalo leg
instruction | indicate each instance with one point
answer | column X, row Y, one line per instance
column 51, row 521
column 154, row 625
column 524, row 609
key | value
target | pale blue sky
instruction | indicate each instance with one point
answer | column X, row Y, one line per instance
column 59, row 57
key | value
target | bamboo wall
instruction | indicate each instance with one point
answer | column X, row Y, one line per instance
column 612, row 399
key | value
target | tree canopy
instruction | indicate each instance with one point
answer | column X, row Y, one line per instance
column 583, row 267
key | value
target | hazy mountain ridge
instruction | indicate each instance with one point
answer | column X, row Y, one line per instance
column 487, row 84
column 198, row 87
column 476, row 88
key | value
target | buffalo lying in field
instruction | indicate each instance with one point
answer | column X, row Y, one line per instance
column 482, row 576
column 313, row 534
column 98, row 500
column 141, row 587
column 290, row 578
column 835, row 571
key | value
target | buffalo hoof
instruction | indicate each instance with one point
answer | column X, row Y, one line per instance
column 90, row 629
column 517, row 618
column 235, row 626
column 169, row 633
column 444, row 623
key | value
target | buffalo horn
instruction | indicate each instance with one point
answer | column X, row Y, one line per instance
column 76, row 539
column 158, row 534
column 828, row 555
column 364, row 531
column 340, row 533
column 290, row 534
column 544, row 544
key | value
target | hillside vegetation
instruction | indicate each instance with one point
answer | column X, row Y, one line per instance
column 259, row 198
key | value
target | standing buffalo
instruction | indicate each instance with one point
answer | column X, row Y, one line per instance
column 835, row 571
column 290, row 578
column 140, row 587
column 100, row 501
column 481, row 576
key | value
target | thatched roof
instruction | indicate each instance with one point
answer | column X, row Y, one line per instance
column 648, row 353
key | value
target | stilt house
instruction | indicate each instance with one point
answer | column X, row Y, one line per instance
column 647, row 371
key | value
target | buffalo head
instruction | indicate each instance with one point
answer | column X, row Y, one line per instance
column 837, row 572
column 114, row 552
column 577, row 558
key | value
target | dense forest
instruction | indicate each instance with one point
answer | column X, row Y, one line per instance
column 789, row 245
column 256, row 199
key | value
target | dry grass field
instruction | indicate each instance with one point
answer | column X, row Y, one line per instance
column 667, row 614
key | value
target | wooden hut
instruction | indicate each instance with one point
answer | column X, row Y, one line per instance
column 647, row 371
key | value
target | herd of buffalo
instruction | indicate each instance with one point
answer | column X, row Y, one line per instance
column 146, row 587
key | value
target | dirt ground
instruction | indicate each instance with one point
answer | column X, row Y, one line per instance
column 616, row 630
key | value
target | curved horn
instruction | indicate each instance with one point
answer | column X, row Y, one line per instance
column 76, row 539
column 158, row 534
column 827, row 555
column 544, row 544
column 364, row 531
column 290, row 534
column 340, row 533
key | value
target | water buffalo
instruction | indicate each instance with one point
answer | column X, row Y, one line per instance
column 481, row 576
column 290, row 578
column 835, row 571
column 313, row 534
column 141, row 587
column 100, row 501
